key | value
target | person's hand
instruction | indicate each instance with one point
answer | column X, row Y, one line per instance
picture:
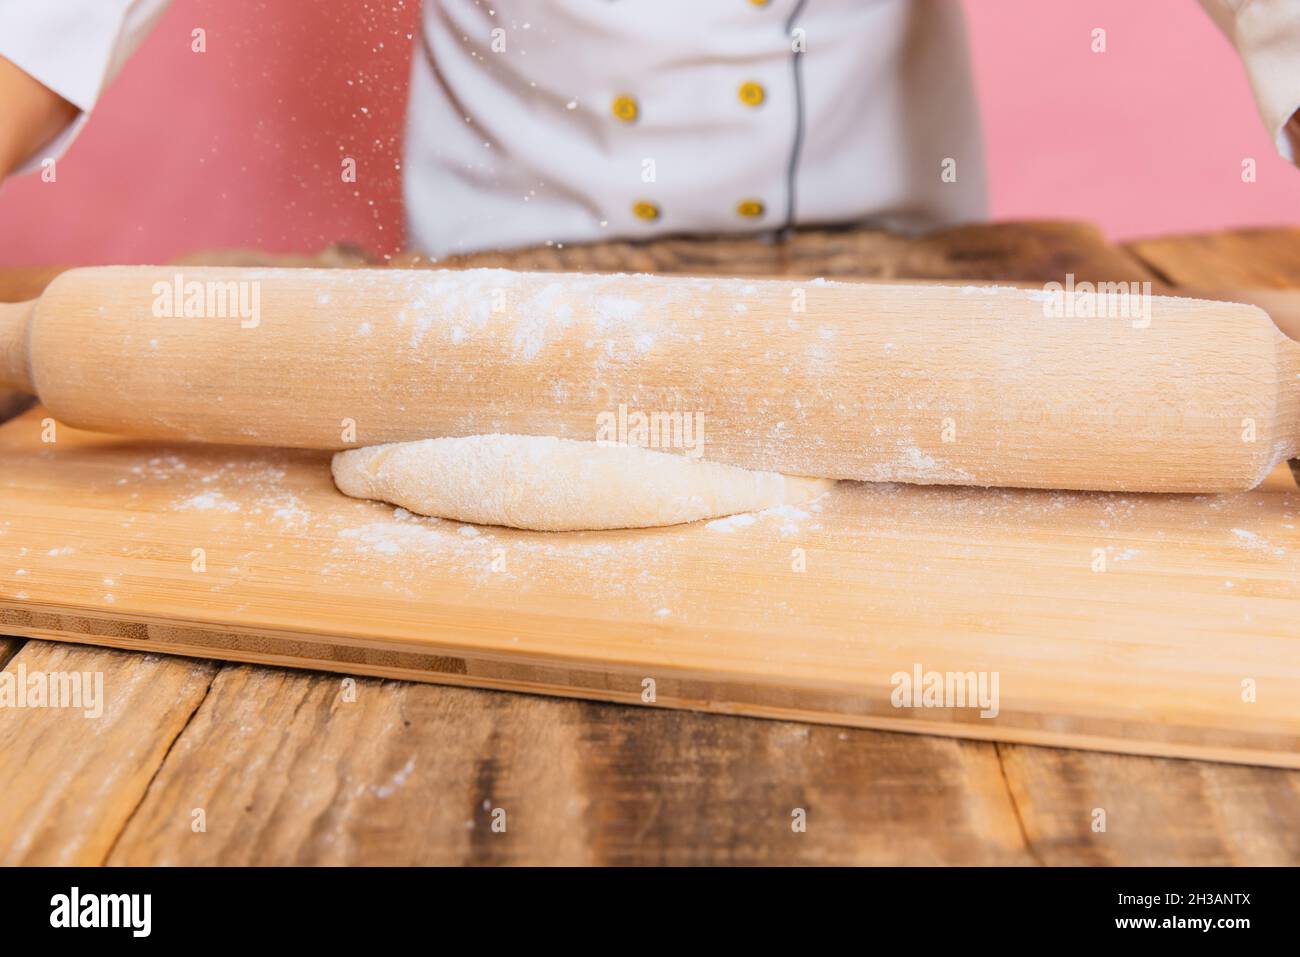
column 31, row 115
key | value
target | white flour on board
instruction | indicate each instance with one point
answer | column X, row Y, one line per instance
column 785, row 518
column 1255, row 542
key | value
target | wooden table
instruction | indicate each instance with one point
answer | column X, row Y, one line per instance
column 286, row 768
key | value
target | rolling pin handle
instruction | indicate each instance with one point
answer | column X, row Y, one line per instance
column 15, row 351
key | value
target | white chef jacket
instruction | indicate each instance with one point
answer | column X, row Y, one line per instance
column 571, row 120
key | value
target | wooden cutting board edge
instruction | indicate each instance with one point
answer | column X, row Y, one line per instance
column 675, row 688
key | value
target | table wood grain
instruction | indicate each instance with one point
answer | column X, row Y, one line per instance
column 198, row 762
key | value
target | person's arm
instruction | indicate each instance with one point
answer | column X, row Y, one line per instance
column 31, row 115
column 55, row 60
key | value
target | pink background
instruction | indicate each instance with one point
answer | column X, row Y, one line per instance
column 240, row 147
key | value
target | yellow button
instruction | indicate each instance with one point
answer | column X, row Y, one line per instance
column 760, row 3
column 625, row 108
column 751, row 93
column 646, row 210
column 750, row 208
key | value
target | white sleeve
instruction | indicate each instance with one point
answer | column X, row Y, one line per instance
column 74, row 47
column 1266, row 34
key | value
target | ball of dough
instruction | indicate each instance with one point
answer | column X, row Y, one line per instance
column 551, row 484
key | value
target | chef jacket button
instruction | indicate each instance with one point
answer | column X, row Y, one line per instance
column 760, row 3
column 751, row 93
column 625, row 108
column 645, row 210
column 750, row 208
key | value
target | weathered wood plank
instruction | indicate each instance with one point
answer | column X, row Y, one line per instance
column 1153, row 811
column 71, row 781
column 8, row 648
column 1038, row 251
column 287, row 771
column 1243, row 257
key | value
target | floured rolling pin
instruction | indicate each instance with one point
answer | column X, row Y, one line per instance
column 931, row 384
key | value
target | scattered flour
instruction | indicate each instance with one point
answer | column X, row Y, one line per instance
column 1254, row 542
column 789, row 517
column 732, row 522
column 396, row 781
column 207, row 501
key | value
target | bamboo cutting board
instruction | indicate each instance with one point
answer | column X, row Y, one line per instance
column 1114, row 622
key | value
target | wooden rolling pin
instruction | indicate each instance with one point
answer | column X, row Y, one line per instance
column 930, row 384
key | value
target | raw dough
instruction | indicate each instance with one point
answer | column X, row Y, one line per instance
column 559, row 484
